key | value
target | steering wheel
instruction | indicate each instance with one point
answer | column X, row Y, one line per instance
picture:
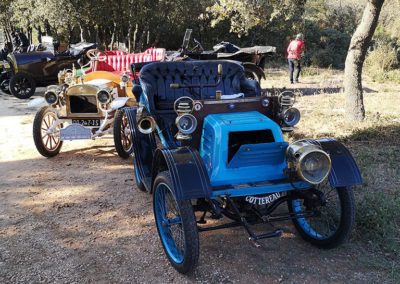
column 96, row 55
column 198, row 44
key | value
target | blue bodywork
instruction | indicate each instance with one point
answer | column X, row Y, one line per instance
column 207, row 172
column 257, row 162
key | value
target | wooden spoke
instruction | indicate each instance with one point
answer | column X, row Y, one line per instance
column 47, row 140
column 44, row 120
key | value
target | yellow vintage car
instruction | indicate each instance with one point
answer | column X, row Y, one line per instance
column 84, row 107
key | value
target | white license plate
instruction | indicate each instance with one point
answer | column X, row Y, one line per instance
column 87, row 122
column 75, row 132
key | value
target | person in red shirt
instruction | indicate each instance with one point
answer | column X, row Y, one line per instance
column 295, row 51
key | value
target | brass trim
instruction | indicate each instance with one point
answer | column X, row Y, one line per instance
column 13, row 60
column 297, row 151
column 298, row 168
column 152, row 127
column 82, row 90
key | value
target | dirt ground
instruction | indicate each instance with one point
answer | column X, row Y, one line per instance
column 79, row 217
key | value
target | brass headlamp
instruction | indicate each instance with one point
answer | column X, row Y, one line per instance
column 309, row 161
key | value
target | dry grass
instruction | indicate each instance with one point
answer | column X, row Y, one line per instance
column 374, row 143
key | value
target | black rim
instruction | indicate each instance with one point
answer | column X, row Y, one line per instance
column 23, row 86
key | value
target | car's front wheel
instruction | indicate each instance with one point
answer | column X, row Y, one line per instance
column 47, row 144
column 22, row 86
column 122, row 135
column 176, row 225
column 334, row 218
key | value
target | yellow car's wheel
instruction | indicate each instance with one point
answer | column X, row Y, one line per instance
column 47, row 144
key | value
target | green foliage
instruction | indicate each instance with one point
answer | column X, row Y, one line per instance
column 244, row 15
column 337, row 43
column 341, row 15
column 322, row 58
column 325, row 47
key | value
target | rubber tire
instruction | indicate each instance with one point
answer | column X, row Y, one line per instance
column 14, row 79
column 251, row 75
column 37, row 135
column 348, row 208
column 191, row 234
column 117, row 135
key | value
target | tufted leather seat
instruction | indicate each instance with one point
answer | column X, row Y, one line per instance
column 157, row 77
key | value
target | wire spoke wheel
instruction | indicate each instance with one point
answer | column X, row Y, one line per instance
column 176, row 225
column 171, row 223
column 47, row 140
column 334, row 218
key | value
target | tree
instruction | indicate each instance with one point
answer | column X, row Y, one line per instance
column 354, row 104
column 244, row 15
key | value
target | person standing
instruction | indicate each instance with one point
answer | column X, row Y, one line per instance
column 295, row 51
column 24, row 42
column 15, row 41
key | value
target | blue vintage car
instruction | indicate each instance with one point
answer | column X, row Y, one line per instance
column 209, row 144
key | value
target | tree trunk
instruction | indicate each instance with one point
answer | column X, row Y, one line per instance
column 134, row 37
column 113, row 36
column 47, row 27
column 85, row 32
column 142, row 39
column 354, row 105
column 30, row 34
column 39, row 34
column 129, row 36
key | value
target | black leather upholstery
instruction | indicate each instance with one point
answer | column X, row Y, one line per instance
column 157, row 77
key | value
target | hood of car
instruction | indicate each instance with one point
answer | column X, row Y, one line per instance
column 83, row 89
column 243, row 141
column 24, row 58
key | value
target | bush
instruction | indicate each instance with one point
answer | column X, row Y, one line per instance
column 338, row 44
column 381, row 62
column 382, row 58
column 322, row 58
column 331, row 49
column 384, row 76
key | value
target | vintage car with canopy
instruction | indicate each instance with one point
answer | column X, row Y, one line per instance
column 208, row 144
